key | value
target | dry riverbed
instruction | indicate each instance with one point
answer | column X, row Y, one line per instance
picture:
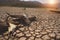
column 47, row 26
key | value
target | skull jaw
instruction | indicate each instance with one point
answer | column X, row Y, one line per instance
column 12, row 27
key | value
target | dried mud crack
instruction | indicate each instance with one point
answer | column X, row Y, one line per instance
column 46, row 28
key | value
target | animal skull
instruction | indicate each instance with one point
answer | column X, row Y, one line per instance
column 14, row 20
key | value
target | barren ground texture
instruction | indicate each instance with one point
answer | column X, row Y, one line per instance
column 47, row 26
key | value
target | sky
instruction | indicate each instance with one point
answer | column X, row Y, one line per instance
column 42, row 1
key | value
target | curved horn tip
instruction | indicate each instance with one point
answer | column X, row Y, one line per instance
column 25, row 15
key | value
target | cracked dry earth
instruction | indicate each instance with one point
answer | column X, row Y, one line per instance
column 47, row 26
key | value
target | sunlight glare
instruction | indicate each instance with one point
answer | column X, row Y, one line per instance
column 52, row 2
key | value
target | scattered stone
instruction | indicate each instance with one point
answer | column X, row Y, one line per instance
column 49, row 31
column 52, row 27
column 6, row 37
column 26, row 29
column 36, row 33
column 48, row 27
column 22, row 29
column 38, row 39
column 22, row 38
column 28, row 34
column 52, row 39
column 37, row 30
column 32, row 32
column 58, row 36
column 1, row 38
column 14, row 33
column 20, row 25
column 15, row 39
column 31, row 38
column 52, row 35
column 45, row 37
column 43, row 32
column 30, row 29
column 38, row 36
column 20, row 34
column 17, row 31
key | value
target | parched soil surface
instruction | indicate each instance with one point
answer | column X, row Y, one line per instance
column 47, row 26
